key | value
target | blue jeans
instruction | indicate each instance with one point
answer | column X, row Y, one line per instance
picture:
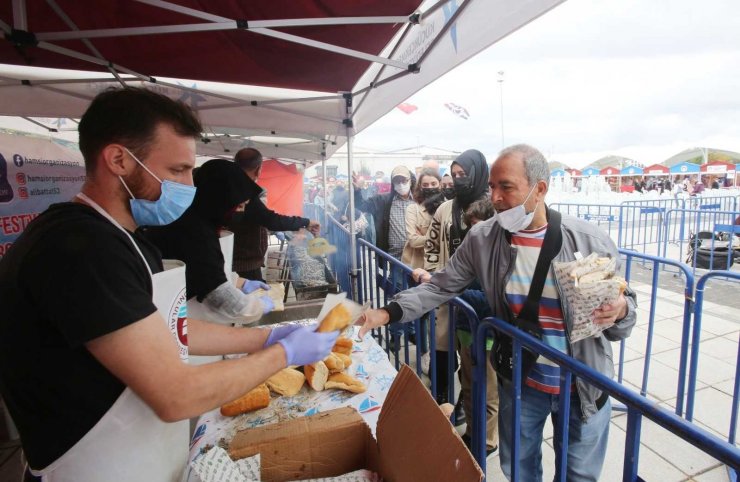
column 586, row 440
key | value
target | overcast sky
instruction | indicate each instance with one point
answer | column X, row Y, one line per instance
column 641, row 79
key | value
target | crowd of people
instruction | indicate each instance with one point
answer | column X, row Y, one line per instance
column 91, row 364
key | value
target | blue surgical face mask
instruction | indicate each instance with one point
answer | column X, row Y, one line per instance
column 172, row 203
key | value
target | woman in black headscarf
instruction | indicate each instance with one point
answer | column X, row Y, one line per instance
column 448, row 229
column 222, row 188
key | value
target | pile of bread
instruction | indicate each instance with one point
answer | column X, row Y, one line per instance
column 327, row 374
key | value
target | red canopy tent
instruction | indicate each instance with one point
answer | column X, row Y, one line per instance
column 284, row 185
column 656, row 170
column 717, row 167
column 609, row 171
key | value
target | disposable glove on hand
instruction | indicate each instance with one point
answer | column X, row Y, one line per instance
column 253, row 285
column 281, row 331
column 305, row 346
column 267, row 303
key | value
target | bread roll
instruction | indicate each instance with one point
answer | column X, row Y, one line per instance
column 334, row 363
column 337, row 319
column 286, row 382
column 345, row 358
column 316, row 375
column 343, row 345
column 346, row 382
column 257, row 398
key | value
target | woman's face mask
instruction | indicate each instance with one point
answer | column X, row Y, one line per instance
column 517, row 218
column 428, row 192
column 174, row 200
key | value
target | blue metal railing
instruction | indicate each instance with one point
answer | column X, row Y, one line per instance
column 637, row 407
column 694, row 364
column 688, row 307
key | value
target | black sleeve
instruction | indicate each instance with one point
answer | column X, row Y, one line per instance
column 369, row 205
column 256, row 212
column 94, row 282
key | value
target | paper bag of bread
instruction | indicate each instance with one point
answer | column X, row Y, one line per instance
column 258, row 397
column 588, row 283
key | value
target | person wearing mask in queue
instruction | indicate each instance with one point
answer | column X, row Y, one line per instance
column 93, row 338
column 389, row 210
column 194, row 239
column 446, row 233
column 251, row 225
column 447, row 186
column 501, row 254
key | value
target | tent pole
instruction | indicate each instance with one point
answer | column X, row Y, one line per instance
column 325, row 221
column 354, row 272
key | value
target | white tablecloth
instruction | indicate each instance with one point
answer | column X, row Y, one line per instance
column 370, row 364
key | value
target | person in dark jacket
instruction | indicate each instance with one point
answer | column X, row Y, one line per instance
column 194, row 239
column 251, row 226
column 389, row 209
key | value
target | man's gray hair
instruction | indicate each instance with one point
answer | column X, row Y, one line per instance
column 535, row 163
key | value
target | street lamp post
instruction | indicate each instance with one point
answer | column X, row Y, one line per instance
column 501, row 96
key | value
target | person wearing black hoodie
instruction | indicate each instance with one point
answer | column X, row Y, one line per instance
column 448, row 229
column 194, row 238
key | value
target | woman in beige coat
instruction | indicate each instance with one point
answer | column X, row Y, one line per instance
column 418, row 219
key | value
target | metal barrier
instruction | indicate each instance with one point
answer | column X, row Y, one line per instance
column 634, row 225
column 688, row 288
column 720, row 203
column 694, row 367
column 682, row 224
column 637, row 407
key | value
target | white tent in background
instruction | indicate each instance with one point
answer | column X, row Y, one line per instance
column 294, row 80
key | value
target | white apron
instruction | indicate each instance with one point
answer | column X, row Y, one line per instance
column 130, row 443
column 199, row 311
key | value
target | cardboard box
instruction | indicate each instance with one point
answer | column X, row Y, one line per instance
column 415, row 442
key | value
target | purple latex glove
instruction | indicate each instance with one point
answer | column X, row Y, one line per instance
column 267, row 303
column 281, row 331
column 253, row 285
column 305, row 346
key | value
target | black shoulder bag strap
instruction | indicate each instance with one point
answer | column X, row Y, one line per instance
column 528, row 318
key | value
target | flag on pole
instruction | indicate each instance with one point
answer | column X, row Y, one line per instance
column 407, row 108
column 458, row 110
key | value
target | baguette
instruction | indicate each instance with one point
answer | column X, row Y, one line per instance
column 257, row 398
column 343, row 345
column 346, row 382
column 337, row 319
column 287, row 382
column 345, row 358
column 316, row 375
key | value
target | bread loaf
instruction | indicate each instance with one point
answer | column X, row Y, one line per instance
column 346, row 382
column 316, row 375
column 334, row 363
column 257, row 398
column 287, row 382
column 343, row 345
column 346, row 359
column 337, row 319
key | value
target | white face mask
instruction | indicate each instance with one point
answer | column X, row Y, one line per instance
column 516, row 218
column 402, row 188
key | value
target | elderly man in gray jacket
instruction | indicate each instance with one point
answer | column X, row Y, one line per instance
column 501, row 253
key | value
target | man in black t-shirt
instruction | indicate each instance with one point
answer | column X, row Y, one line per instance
column 78, row 326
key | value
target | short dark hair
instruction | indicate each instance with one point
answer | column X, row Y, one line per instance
column 427, row 171
column 481, row 210
column 248, row 158
column 130, row 116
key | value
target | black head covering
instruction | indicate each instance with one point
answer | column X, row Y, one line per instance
column 468, row 189
column 221, row 186
column 475, row 184
column 194, row 237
